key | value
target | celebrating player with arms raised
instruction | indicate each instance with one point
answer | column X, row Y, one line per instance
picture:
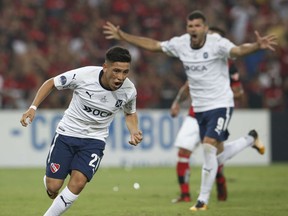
column 205, row 59
column 188, row 136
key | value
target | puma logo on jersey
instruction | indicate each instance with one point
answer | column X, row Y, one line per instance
column 90, row 95
column 97, row 112
column 66, row 203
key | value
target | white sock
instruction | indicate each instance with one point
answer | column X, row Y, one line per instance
column 61, row 203
column 209, row 171
column 234, row 147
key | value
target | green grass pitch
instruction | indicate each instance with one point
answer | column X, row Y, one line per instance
column 252, row 191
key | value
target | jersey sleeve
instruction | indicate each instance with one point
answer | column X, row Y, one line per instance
column 224, row 47
column 130, row 106
column 67, row 80
column 170, row 47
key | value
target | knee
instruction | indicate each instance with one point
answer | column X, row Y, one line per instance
column 209, row 149
column 77, row 183
column 53, row 186
column 184, row 152
column 76, row 186
column 220, row 148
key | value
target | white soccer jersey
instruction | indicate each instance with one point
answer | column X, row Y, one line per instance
column 206, row 69
column 92, row 107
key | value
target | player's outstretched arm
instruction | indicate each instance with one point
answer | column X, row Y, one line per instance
column 114, row 32
column 132, row 125
column 42, row 93
column 266, row 42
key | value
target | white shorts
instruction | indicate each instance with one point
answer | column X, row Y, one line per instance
column 188, row 136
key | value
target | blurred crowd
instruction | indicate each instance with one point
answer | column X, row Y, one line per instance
column 42, row 38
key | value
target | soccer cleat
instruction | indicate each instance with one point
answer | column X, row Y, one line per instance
column 257, row 142
column 199, row 206
column 182, row 198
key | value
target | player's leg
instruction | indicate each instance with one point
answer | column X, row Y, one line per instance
column 68, row 195
column 83, row 165
column 186, row 141
column 221, row 184
column 57, row 165
column 52, row 186
column 234, row 147
column 183, row 175
column 208, row 174
column 231, row 149
column 213, row 131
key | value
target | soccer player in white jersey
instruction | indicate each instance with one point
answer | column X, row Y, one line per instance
column 79, row 142
column 188, row 136
column 205, row 59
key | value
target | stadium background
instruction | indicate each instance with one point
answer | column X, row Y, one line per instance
column 42, row 38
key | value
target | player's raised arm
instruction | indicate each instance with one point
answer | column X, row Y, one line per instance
column 265, row 42
column 42, row 93
column 114, row 32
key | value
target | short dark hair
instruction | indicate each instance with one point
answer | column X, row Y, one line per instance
column 118, row 54
column 217, row 30
column 196, row 15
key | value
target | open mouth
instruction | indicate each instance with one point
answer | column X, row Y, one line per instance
column 117, row 84
column 194, row 36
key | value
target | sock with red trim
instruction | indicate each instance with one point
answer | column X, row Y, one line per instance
column 183, row 173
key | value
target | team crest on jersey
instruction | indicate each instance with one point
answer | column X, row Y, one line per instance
column 205, row 55
column 54, row 167
column 118, row 103
column 63, row 80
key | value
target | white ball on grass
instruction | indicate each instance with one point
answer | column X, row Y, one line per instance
column 115, row 188
column 136, row 186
